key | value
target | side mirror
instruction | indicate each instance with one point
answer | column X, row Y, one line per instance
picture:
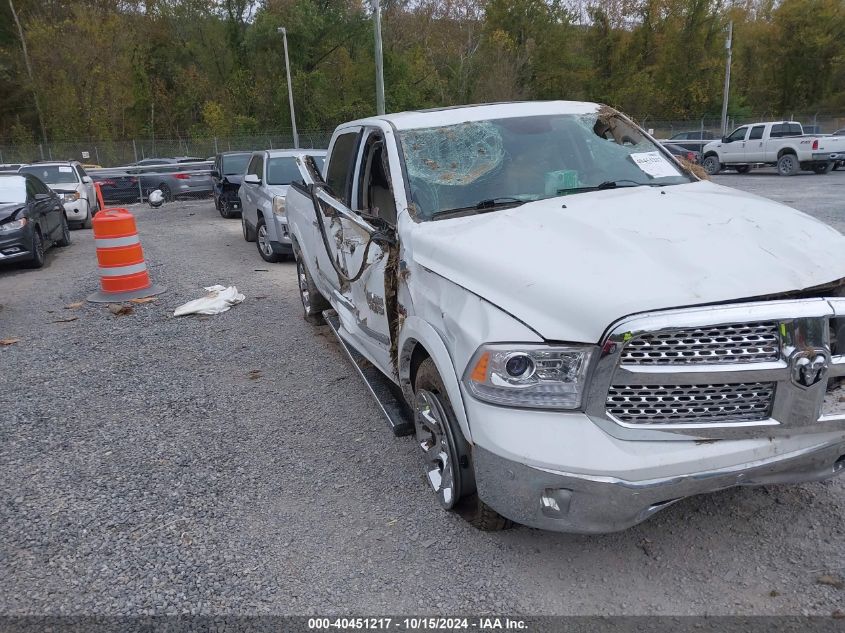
column 42, row 196
column 252, row 179
column 87, row 180
column 215, row 173
column 725, row 139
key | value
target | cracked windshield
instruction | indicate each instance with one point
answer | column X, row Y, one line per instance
column 483, row 165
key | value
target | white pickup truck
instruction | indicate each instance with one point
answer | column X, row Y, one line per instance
column 778, row 143
column 577, row 331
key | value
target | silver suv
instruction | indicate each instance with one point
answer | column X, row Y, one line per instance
column 262, row 194
column 74, row 186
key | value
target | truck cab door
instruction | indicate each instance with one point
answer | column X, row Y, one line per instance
column 755, row 146
column 374, row 294
column 733, row 147
column 358, row 241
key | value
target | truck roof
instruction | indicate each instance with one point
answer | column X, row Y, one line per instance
column 274, row 153
column 437, row 117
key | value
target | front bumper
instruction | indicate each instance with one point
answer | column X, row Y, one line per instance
column 280, row 238
column 567, row 502
column 15, row 245
column 76, row 211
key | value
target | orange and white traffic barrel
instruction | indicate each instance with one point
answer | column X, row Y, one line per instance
column 123, row 271
column 101, row 204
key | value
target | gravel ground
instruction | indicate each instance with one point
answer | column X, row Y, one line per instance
column 235, row 464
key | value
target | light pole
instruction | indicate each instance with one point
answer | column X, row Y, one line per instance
column 727, row 79
column 379, row 59
column 284, row 33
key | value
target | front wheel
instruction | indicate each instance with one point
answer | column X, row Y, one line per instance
column 248, row 235
column 262, row 241
column 446, row 454
column 712, row 165
column 64, row 239
column 37, row 259
column 788, row 165
column 223, row 208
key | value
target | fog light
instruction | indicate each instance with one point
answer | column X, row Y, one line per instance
column 554, row 502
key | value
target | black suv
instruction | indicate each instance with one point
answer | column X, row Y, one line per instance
column 226, row 175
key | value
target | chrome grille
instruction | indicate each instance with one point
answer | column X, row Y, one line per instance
column 691, row 404
column 735, row 343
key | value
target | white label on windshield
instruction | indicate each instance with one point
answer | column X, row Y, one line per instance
column 654, row 164
column 66, row 170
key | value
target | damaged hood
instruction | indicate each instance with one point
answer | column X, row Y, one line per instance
column 7, row 209
column 568, row 267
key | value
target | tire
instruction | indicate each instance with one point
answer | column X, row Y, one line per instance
column 743, row 169
column 262, row 242
column 165, row 191
column 64, row 239
column 249, row 236
column 447, row 457
column 222, row 208
column 711, row 165
column 788, row 165
column 823, row 168
column 313, row 303
column 37, row 260
column 88, row 223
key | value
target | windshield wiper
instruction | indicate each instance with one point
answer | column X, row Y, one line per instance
column 488, row 204
column 608, row 184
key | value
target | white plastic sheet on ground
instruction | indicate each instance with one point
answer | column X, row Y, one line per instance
column 219, row 299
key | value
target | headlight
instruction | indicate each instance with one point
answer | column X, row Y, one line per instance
column 13, row 225
column 279, row 205
column 535, row 376
column 70, row 197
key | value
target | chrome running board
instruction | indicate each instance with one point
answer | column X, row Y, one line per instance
column 399, row 417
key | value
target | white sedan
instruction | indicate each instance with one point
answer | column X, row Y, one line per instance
column 262, row 194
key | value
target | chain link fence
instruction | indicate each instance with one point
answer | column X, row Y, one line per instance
column 120, row 153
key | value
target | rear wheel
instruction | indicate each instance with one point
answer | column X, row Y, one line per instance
column 64, row 239
column 262, row 241
column 165, row 191
column 743, row 169
column 788, row 165
column 711, row 165
column 823, row 168
column 37, row 259
column 446, row 454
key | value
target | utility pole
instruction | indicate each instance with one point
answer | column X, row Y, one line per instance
column 379, row 59
column 29, row 72
column 284, row 33
column 727, row 79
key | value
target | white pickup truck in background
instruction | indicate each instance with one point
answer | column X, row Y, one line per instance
column 577, row 331
column 778, row 143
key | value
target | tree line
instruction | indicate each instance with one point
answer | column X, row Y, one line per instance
column 120, row 69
